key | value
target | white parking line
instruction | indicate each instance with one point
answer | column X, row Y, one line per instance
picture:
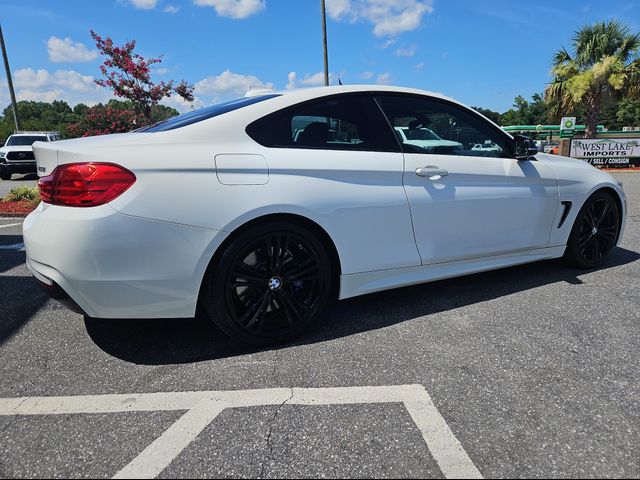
column 10, row 225
column 203, row 407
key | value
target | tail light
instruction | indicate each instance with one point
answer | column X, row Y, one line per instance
column 85, row 184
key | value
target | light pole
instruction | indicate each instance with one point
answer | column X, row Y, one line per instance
column 9, row 81
column 324, row 44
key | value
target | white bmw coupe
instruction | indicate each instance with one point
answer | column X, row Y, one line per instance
column 263, row 209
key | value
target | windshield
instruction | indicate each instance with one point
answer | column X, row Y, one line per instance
column 204, row 114
column 420, row 134
column 25, row 139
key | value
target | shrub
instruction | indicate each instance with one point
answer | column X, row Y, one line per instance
column 23, row 193
column 103, row 120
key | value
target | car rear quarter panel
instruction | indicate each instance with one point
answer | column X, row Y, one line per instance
column 363, row 208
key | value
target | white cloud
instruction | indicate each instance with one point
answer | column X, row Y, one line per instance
column 68, row 85
column 406, row 51
column 236, row 9
column 293, row 80
column 366, row 75
column 228, row 84
column 61, row 51
column 388, row 43
column 389, row 17
column 171, row 9
column 144, row 4
column 180, row 104
column 313, row 80
column 419, row 66
column 384, row 79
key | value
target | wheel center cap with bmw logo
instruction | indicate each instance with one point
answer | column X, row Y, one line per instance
column 275, row 283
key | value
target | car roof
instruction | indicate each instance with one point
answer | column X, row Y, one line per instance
column 313, row 92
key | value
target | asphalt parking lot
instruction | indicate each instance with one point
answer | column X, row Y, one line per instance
column 18, row 180
column 531, row 371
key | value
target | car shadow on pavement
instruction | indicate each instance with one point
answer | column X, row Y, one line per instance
column 10, row 258
column 21, row 299
column 174, row 341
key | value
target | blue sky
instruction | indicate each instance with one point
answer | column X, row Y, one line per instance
column 482, row 52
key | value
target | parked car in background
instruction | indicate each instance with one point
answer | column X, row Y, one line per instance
column 425, row 139
column 16, row 156
column 551, row 149
column 229, row 210
column 485, row 147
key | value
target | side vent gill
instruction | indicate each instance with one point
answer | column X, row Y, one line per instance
column 565, row 214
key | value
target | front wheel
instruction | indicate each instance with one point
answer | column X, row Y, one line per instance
column 270, row 283
column 595, row 231
column 5, row 175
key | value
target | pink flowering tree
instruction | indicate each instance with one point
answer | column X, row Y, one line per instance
column 128, row 75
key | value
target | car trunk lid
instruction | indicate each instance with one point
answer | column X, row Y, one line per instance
column 46, row 157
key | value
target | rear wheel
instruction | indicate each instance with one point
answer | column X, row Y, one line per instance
column 270, row 283
column 594, row 232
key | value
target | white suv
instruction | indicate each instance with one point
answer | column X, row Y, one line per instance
column 16, row 156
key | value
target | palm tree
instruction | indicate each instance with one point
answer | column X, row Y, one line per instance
column 604, row 64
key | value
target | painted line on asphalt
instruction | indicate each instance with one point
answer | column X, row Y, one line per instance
column 10, row 225
column 15, row 246
column 203, row 407
column 157, row 456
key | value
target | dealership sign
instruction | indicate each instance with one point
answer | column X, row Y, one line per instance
column 609, row 152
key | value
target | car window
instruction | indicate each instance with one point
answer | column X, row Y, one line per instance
column 341, row 122
column 25, row 140
column 204, row 113
column 425, row 125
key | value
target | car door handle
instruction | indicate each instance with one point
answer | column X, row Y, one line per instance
column 431, row 171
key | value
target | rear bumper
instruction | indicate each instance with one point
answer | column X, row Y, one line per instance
column 113, row 265
column 56, row 292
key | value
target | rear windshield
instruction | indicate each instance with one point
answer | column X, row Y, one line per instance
column 204, row 113
column 25, row 140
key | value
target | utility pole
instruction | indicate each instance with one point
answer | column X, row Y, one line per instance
column 9, row 81
column 324, row 44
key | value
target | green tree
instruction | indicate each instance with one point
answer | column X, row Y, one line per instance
column 490, row 114
column 39, row 116
column 600, row 68
column 80, row 109
column 523, row 112
column 628, row 113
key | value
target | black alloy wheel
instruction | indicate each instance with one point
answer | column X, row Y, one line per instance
column 595, row 231
column 271, row 282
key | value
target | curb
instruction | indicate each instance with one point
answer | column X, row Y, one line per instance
column 13, row 215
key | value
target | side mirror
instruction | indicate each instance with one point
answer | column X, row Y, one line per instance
column 524, row 148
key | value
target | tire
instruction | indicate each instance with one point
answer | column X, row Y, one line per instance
column 595, row 231
column 5, row 175
column 269, row 284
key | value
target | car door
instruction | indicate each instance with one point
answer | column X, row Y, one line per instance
column 337, row 161
column 468, row 201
